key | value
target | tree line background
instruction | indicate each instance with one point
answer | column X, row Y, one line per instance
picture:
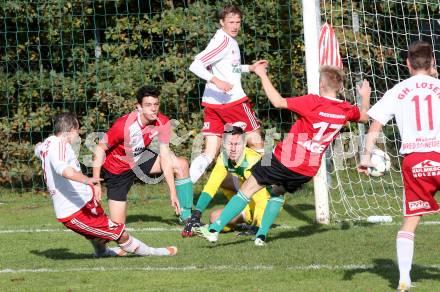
column 90, row 57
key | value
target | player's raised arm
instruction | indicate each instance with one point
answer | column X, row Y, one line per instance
column 370, row 142
column 365, row 92
column 274, row 96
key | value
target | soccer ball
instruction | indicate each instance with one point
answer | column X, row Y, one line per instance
column 381, row 163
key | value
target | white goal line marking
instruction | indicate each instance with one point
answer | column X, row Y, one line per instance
column 314, row 267
column 201, row 268
column 146, row 229
column 164, row 229
column 54, row 230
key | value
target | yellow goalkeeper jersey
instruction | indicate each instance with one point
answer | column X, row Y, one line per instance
column 240, row 171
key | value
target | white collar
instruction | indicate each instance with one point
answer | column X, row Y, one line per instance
column 332, row 98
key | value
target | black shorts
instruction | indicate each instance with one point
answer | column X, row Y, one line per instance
column 118, row 185
column 275, row 173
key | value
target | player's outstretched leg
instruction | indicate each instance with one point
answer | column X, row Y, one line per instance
column 231, row 210
column 133, row 245
column 271, row 212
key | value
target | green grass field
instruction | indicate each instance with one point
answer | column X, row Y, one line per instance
column 38, row 254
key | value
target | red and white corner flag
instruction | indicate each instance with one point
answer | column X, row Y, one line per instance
column 329, row 47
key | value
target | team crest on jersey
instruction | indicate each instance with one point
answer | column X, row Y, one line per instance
column 426, row 168
column 236, row 68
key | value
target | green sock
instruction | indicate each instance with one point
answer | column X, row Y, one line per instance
column 271, row 212
column 203, row 202
column 235, row 205
column 184, row 188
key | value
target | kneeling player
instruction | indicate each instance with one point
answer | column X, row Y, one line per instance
column 231, row 169
column 73, row 195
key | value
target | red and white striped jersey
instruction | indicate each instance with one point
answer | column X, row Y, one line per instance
column 68, row 196
column 415, row 103
column 127, row 139
column 320, row 121
column 222, row 59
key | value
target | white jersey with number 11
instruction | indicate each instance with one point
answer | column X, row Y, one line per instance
column 415, row 103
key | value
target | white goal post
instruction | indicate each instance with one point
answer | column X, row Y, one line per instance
column 312, row 23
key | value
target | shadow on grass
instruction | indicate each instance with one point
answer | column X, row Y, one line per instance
column 222, row 242
column 389, row 270
column 62, row 254
column 150, row 218
column 297, row 211
column 302, row 231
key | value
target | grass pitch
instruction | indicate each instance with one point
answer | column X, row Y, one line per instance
column 38, row 254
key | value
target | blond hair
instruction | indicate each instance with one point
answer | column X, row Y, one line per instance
column 331, row 78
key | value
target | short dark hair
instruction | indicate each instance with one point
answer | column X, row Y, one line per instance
column 420, row 55
column 227, row 10
column 233, row 130
column 65, row 122
column 146, row 91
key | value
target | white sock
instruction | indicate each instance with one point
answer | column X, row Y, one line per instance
column 405, row 251
column 199, row 166
column 134, row 245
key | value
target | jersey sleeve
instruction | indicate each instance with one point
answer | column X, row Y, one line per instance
column 245, row 68
column 200, row 70
column 383, row 110
column 301, row 104
column 353, row 113
column 216, row 50
column 114, row 135
column 58, row 156
column 216, row 178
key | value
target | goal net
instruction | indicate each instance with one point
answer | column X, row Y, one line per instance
column 374, row 37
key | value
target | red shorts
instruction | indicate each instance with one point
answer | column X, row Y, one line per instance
column 91, row 222
column 216, row 118
column 421, row 179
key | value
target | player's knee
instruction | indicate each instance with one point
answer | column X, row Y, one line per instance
column 182, row 167
column 183, row 163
